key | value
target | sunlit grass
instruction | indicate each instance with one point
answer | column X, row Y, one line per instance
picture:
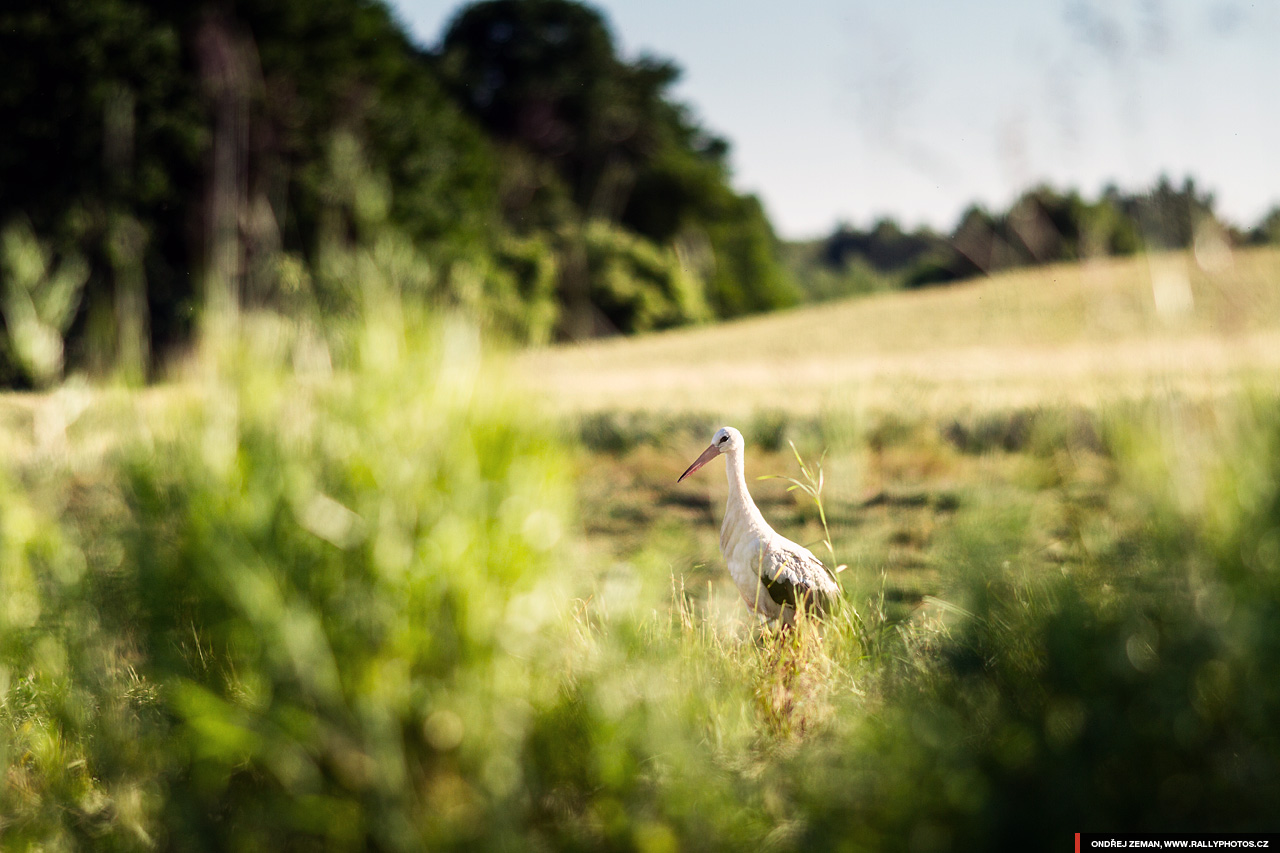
column 1074, row 630
column 1084, row 334
column 355, row 588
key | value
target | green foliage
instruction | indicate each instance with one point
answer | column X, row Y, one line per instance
column 747, row 277
column 634, row 285
column 1122, row 686
column 103, row 124
column 522, row 288
column 297, row 604
column 316, row 594
column 260, row 627
column 209, row 127
column 1041, row 226
column 350, row 67
column 39, row 301
column 811, row 485
column 768, row 429
column 819, row 282
column 545, row 75
column 885, row 247
column 593, row 138
column 1267, row 232
column 1128, row 694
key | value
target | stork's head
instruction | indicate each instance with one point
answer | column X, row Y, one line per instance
column 726, row 440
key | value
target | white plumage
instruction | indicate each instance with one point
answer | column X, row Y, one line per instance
column 774, row 574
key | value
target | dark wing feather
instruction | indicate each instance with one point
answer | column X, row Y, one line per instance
column 797, row 577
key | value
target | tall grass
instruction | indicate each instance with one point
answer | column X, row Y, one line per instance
column 330, row 593
column 1120, row 685
column 291, row 609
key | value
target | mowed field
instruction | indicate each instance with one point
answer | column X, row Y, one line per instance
column 933, row 412
column 1080, row 333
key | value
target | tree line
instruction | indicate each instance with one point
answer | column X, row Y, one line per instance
column 1043, row 225
column 159, row 158
column 158, row 154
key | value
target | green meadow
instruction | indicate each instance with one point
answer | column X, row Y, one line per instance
column 1022, row 392
column 344, row 385
column 376, row 585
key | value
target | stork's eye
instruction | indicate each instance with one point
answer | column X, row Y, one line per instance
column 723, row 439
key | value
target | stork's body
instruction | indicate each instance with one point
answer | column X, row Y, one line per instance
column 774, row 574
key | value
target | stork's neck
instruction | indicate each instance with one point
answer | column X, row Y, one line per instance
column 740, row 501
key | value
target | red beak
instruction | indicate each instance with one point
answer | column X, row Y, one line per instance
column 707, row 455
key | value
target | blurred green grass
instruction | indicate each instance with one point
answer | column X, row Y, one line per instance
column 354, row 587
column 257, row 602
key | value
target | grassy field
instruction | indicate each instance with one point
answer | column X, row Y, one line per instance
column 1087, row 333
column 1038, row 483
column 923, row 406
column 408, row 596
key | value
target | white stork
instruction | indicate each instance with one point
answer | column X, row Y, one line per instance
column 775, row 575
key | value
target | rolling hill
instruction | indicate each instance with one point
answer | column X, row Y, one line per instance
column 1198, row 323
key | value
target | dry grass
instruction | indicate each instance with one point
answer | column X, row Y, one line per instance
column 1079, row 333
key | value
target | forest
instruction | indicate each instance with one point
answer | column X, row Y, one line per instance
column 346, row 382
column 156, row 153
column 144, row 138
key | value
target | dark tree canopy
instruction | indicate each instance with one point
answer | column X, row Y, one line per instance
column 166, row 119
column 592, row 132
column 1043, row 225
column 154, row 135
column 545, row 75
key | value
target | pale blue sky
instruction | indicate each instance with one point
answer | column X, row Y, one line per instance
column 852, row 109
